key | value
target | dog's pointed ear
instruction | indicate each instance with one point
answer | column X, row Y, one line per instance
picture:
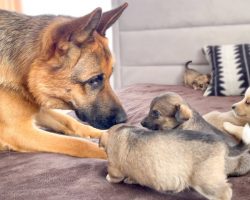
column 109, row 18
column 84, row 26
column 59, row 36
column 183, row 113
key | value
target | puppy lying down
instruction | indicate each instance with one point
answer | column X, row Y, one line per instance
column 168, row 160
column 234, row 120
column 171, row 111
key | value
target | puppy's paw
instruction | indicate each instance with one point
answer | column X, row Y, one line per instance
column 246, row 134
column 114, row 179
column 129, row 181
column 108, row 178
column 228, row 126
column 237, row 131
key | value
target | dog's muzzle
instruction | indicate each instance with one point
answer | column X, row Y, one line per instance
column 103, row 121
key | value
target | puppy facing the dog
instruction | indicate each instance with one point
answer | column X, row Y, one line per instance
column 172, row 160
column 170, row 111
column 195, row 79
column 234, row 120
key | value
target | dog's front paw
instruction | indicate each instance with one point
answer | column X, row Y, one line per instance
column 91, row 132
column 98, row 134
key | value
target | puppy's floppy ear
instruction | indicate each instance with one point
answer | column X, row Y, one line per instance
column 183, row 113
column 103, row 141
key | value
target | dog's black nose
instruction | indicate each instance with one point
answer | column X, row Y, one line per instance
column 121, row 117
column 233, row 107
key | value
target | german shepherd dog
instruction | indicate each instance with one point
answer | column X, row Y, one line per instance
column 56, row 62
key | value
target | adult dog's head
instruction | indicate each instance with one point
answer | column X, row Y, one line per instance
column 167, row 112
column 242, row 108
column 74, row 68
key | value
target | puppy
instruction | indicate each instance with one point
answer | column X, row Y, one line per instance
column 195, row 79
column 236, row 118
column 170, row 111
column 172, row 160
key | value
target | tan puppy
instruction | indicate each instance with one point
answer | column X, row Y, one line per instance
column 195, row 79
column 167, row 161
column 238, row 116
column 171, row 111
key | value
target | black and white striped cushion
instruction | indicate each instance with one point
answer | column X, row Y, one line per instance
column 230, row 69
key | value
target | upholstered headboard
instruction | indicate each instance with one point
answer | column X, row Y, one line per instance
column 154, row 38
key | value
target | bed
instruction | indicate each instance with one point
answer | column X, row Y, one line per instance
column 152, row 40
column 59, row 177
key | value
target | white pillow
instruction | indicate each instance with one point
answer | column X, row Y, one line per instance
column 230, row 69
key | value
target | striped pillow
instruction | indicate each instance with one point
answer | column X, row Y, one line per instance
column 230, row 69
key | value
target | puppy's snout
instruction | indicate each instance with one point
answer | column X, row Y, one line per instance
column 233, row 107
column 143, row 123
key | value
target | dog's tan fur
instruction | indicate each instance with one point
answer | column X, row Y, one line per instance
column 234, row 120
column 174, row 113
column 194, row 79
column 167, row 161
column 55, row 62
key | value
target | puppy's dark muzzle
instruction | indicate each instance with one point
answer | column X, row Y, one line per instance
column 143, row 123
column 149, row 125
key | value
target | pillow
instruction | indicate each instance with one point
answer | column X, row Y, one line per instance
column 230, row 69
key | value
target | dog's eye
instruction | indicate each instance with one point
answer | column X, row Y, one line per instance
column 96, row 81
column 155, row 114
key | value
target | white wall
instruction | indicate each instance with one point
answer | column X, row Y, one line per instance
column 66, row 7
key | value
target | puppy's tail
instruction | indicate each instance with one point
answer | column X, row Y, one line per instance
column 187, row 63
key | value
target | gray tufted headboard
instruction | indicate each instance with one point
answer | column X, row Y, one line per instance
column 154, row 38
